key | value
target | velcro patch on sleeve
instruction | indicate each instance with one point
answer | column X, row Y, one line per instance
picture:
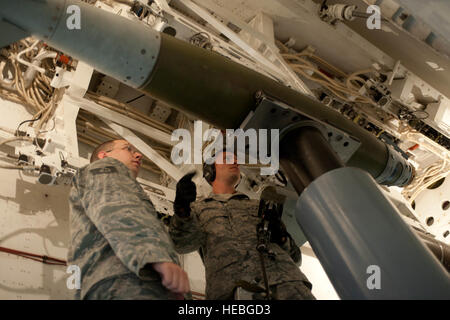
column 109, row 169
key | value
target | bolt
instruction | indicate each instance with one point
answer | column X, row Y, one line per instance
column 258, row 95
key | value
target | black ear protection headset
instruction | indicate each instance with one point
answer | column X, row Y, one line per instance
column 209, row 172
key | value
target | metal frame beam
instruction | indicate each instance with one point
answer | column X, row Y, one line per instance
column 292, row 78
column 110, row 115
column 148, row 151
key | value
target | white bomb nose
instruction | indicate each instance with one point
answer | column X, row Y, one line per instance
column 115, row 46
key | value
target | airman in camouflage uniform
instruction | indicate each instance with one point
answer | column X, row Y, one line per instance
column 224, row 227
column 116, row 237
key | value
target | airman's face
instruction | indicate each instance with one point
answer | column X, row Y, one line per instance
column 126, row 153
column 228, row 170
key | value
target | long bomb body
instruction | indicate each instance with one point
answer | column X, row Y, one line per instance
column 191, row 79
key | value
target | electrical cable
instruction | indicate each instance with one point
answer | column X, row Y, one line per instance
column 432, row 174
column 15, row 139
column 20, row 60
column 335, row 87
column 327, row 82
column 426, row 185
column 299, row 65
column 129, row 111
column 26, row 121
column 19, row 167
column 35, row 90
column 40, row 258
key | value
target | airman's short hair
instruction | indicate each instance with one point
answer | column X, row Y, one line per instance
column 107, row 145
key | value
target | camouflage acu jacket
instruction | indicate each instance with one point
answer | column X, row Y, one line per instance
column 114, row 226
column 224, row 227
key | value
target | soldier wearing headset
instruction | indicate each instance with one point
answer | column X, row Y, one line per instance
column 224, row 227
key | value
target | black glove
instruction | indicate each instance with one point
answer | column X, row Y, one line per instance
column 295, row 252
column 281, row 236
column 272, row 212
column 278, row 232
column 185, row 194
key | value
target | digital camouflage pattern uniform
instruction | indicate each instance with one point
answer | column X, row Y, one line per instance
column 115, row 233
column 224, row 227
